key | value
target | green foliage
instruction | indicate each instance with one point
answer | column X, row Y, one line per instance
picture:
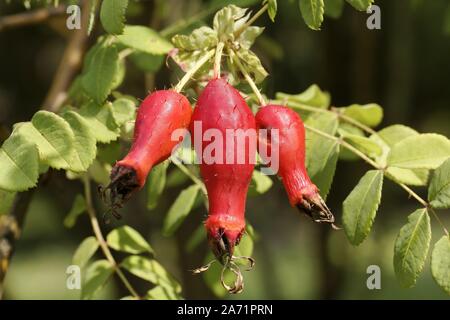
column 312, row 12
column 6, row 201
column 162, row 293
column 411, row 247
column 272, row 9
column 370, row 114
column 53, row 137
column 440, row 262
column 20, row 164
column 151, row 271
column 387, row 138
column 260, row 183
column 199, row 39
column 112, row 15
column 361, row 205
column 99, row 70
column 78, row 207
column 312, row 96
column 425, row 151
column 124, row 110
column 360, row 5
column 226, row 29
column 180, row 209
column 84, row 146
column 439, row 189
column 363, row 144
column 85, row 251
column 147, row 62
column 97, row 275
column 322, row 153
column 144, row 39
column 156, row 183
column 126, row 239
column 101, row 121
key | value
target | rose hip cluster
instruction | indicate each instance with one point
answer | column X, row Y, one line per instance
column 220, row 107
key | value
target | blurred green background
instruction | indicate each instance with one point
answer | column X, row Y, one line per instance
column 405, row 67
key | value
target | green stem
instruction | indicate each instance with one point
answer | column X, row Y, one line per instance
column 193, row 70
column 247, row 77
column 346, row 145
column 125, row 53
column 218, row 59
column 101, row 240
column 353, row 121
column 333, row 110
column 184, row 23
column 191, row 175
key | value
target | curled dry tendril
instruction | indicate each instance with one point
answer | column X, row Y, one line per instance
column 229, row 263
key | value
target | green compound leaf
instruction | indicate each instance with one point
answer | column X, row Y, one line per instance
column 152, row 271
column 387, row 138
column 252, row 65
column 313, row 96
column 361, row 205
column 248, row 37
column 19, row 162
column 360, row 5
column 440, row 263
column 363, row 144
column 85, row 147
column 112, row 15
column 180, row 209
column 144, row 39
column 162, row 293
column 53, row 137
column 101, row 121
column 156, row 184
column 124, row 110
column 126, row 239
column 411, row 247
column 199, row 39
column 312, row 12
column 100, row 72
column 97, row 275
column 439, row 189
column 260, row 183
column 369, row 114
column 227, row 20
column 425, row 151
column 322, row 153
column 272, row 9
column 78, row 207
column 85, row 251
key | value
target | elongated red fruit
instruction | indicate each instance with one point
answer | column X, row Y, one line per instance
column 158, row 116
column 221, row 107
column 301, row 191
